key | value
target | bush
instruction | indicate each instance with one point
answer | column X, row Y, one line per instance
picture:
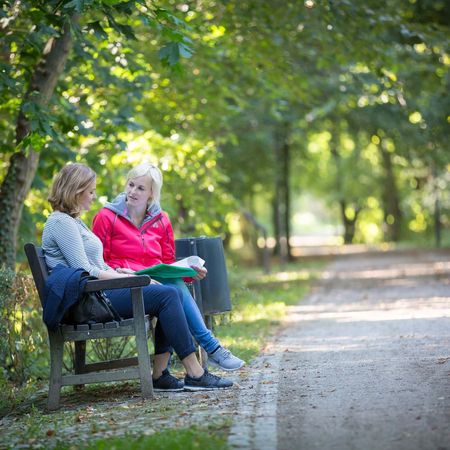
column 23, row 337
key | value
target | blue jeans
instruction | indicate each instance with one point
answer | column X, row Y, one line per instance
column 165, row 303
column 202, row 335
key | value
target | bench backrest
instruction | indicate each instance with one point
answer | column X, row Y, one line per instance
column 36, row 260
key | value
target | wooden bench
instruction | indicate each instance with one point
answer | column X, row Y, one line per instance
column 115, row 370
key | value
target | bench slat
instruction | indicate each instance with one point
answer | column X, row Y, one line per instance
column 131, row 373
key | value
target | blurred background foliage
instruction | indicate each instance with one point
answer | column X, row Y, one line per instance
column 245, row 106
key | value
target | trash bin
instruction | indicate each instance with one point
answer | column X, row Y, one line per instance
column 185, row 247
column 212, row 293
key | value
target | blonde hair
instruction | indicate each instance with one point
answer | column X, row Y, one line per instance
column 69, row 183
column 153, row 174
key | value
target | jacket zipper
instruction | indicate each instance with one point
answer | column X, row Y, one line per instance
column 148, row 225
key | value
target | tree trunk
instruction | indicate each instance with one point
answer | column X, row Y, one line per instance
column 281, row 208
column 276, row 219
column 261, row 231
column 348, row 223
column 437, row 209
column 392, row 211
column 437, row 221
column 286, row 192
column 23, row 164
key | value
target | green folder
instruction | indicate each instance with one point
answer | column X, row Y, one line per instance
column 167, row 271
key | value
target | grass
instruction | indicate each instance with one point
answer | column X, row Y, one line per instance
column 259, row 304
column 181, row 439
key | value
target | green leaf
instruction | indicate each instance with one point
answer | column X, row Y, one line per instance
column 75, row 5
column 111, row 2
column 164, row 14
column 98, row 30
column 185, row 51
column 170, row 53
column 126, row 30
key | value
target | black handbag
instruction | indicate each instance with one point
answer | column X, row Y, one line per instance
column 93, row 307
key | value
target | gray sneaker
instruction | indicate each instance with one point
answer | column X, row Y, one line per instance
column 206, row 382
column 224, row 359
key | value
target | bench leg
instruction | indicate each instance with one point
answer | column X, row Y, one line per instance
column 56, row 363
column 145, row 366
column 80, row 361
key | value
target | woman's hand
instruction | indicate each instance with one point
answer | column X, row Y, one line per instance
column 201, row 272
column 125, row 270
column 110, row 274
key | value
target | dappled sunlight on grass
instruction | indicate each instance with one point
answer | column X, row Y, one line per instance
column 259, row 304
column 287, row 276
column 259, row 311
column 245, row 347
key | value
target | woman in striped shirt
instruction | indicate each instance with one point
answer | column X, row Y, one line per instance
column 68, row 241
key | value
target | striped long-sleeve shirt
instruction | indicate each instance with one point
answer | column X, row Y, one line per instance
column 68, row 241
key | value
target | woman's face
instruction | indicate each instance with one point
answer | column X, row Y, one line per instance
column 87, row 197
column 139, row 192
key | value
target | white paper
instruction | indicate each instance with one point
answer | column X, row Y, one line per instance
column 190, row 261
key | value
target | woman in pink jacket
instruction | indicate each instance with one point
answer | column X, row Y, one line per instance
column 136, row 233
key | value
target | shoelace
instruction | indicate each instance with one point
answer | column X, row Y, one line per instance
column 226, row 353
column 208, row 374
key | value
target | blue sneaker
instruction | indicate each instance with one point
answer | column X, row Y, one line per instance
column 167, row 383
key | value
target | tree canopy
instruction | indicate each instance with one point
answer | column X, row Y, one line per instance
column 245, row 105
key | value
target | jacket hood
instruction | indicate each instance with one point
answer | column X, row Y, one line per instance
column 119, row 206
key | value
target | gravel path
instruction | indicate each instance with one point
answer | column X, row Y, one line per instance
column 362, row 363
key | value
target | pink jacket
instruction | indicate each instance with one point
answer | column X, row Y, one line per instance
column 125, row 245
